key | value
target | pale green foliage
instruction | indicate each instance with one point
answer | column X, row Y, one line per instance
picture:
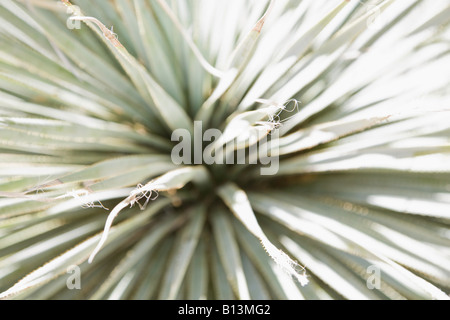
column 357, row 89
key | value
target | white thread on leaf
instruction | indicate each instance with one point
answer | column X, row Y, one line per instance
column 82, row 194
column 137, row 194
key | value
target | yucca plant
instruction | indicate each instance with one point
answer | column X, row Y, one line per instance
column 106, row 191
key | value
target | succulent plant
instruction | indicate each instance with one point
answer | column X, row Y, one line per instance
column 206, row 149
